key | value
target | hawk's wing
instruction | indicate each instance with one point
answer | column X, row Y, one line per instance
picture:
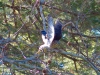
column 50, row 30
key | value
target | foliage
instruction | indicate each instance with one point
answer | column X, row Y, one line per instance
column 77, row 53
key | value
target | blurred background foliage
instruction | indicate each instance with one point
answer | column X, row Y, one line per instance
column 77, row 53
